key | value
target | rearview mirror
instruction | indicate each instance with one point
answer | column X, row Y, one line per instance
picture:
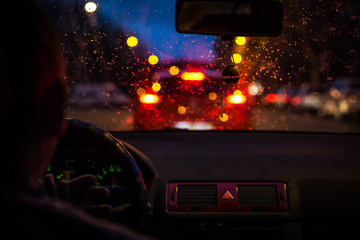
column 229, row 17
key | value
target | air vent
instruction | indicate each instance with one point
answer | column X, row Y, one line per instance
column 197, row 195
column 257, row 196
column 227, row 197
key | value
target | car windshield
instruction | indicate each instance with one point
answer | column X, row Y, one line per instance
column 129, row 70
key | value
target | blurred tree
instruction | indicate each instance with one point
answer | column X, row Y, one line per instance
column 319, row 43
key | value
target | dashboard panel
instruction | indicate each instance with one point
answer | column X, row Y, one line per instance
column 320, row 173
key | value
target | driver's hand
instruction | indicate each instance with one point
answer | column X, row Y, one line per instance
column 82, row 192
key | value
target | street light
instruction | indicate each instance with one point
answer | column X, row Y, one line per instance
column 90, row 7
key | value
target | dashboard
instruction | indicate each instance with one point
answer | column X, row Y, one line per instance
column 216, row 185
column 257, row 185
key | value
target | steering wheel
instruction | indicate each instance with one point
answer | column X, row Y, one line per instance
column 87, row 149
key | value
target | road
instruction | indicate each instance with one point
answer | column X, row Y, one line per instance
column 264, row 119
column 277, row 120
column 108, row 119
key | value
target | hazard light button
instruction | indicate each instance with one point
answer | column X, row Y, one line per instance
column 227, row 196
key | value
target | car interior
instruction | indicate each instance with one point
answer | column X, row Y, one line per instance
column 288, row 190
column 275, row 182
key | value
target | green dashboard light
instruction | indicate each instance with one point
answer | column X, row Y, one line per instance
column 202, row 224
column 114, row 168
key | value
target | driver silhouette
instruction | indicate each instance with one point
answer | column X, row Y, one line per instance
column 32, row 71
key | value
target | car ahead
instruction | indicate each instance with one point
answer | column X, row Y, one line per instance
column 341, row 99
column 283, row 97
column 190, row 99
column 290, row 175
column 87, row 95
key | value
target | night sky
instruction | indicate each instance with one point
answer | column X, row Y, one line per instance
column 153, row 23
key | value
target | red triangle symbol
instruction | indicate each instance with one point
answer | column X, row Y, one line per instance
column 227, row 196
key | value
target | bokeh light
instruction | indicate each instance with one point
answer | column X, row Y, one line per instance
column 255, row 88
column 181, row 110
column 140, row 91
column 240, row 41
column 212, row 96
column 224, row 117
column 132, row 41
column 90, row 7
column 156, row 87
column 237, row 58
column 153, row 59
column 334, row 93
column 174, row 70
column 237, row 92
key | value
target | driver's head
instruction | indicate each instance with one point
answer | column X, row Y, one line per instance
column 32, row 73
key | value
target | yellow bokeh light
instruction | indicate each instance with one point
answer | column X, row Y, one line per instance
column 237, row 58
column 90, row 7
column 240, row 41
column 132, row 41
column 181, row 110
column 140, row 91
column 174, row 70
column 224, row 117
column 156, row 87
column 212, row 96
column 153, row 59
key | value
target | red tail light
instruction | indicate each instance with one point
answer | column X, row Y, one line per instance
column 192, row 76
column 149, row 98
column 236, row 99
column 272, row 97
